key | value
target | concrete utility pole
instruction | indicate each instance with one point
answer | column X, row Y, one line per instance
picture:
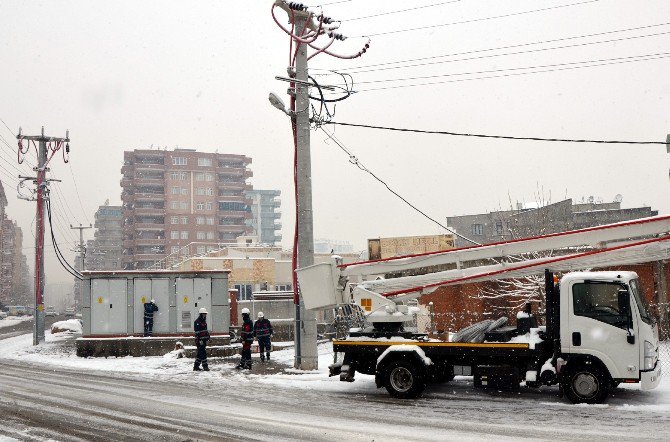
column 82, row 254
column 44, row 154
column 306, row 355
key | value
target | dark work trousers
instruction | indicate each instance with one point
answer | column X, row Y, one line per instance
column 201, row 355
column 246, row 354
column 148, row 327
column 264, row 347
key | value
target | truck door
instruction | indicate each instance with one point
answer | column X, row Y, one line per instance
column 596, row 327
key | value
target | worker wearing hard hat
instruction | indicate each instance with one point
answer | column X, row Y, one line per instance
column 263, row 332
column 149, row 309
column 247, row 335
column 201, row 338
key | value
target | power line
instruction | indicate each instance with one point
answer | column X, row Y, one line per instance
column 572, row 63
column 401, row 10
column 529, row 51
column 354, row 160
column 478, row 19
column 78, row 197
column 554, row 40
column 64, row 200
column 61, row 259
column 512, row 74
column 505, row 137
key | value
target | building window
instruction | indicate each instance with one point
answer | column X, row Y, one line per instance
column 208, row 205
column 184, row 219
column 174, row 220
column 183, row 176
column 183, row 205
column 200, row 176
column 184, row 234
column 499, row 227
column 179, row 161
column 200, row 206
column 232, row 205
column 209, row 177
column 210, row 221
column 210, row 191
column 200, row 250
column 200, row 220
column 200, row 191
column 199, row 235
column 175, row 249
column 478, row 229
column 175, row 205
column 210, row 235
column 243, row 291
column 204, row 161
column 174, row 175
column 174, row 234
column 175, row 190
column 184, row 191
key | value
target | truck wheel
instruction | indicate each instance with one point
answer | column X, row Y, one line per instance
column 403, row 379
column 586, row 384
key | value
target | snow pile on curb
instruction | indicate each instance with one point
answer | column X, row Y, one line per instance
column 69, row 326
column 11, row 321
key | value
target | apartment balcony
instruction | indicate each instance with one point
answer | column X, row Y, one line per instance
column 148, row 196
column 233, row 229
column 234, row 214
column 148, row 166
column 277, row 225
column 275, row 203
column 148, row 181
column 148, row 211
column 127, row 197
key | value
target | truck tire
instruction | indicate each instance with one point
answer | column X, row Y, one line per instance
column 403, row 379
column 586, row 384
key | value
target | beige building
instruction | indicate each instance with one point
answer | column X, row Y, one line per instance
column 254, row 268
column 174, row 198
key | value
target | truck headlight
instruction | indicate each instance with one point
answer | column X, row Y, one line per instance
column 650, row 356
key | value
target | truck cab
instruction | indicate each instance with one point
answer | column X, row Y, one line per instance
column 607, row 335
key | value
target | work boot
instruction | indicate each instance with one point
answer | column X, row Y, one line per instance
column 262, row 358
column 196, row 367
column 268, row 357
column 205, row 368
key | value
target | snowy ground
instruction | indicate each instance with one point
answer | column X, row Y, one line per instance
column 11, row 321
column 300, row 405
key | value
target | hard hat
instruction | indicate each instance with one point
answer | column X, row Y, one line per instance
column 153, row 301
column 260, row 314
column 245, row 311
column 203, row 310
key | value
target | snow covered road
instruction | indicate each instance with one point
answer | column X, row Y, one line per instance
column 50, row 395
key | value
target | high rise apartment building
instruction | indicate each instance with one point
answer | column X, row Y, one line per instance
column 15, row 287
column 105, row 251
column 265, row 215
column 174, row 198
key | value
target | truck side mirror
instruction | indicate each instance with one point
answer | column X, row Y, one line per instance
column 624, row 310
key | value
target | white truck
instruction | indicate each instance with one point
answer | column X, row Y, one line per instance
column 597, row 331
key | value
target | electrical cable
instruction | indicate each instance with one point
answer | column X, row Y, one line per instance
column 401, row 11
column 572, row 63
column 64, row 202
column 514, row 14
column 74, row 181
column 505, row 137
column 353, row 160
column 504, row 54
column 475, row 51
column 61, row 259
column 515, row 74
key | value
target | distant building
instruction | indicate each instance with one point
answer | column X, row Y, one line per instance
column 15, row 280
column 329, row 246
column 174, row 198
column 382, row 248
column 266, row 216
column 528, row 221
column 105, row 251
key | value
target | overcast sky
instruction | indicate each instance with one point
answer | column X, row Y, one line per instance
column 128, row 75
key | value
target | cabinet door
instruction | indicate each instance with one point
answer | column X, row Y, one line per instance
column 185, row 304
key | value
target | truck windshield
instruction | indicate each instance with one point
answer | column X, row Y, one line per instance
column 639, row 300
